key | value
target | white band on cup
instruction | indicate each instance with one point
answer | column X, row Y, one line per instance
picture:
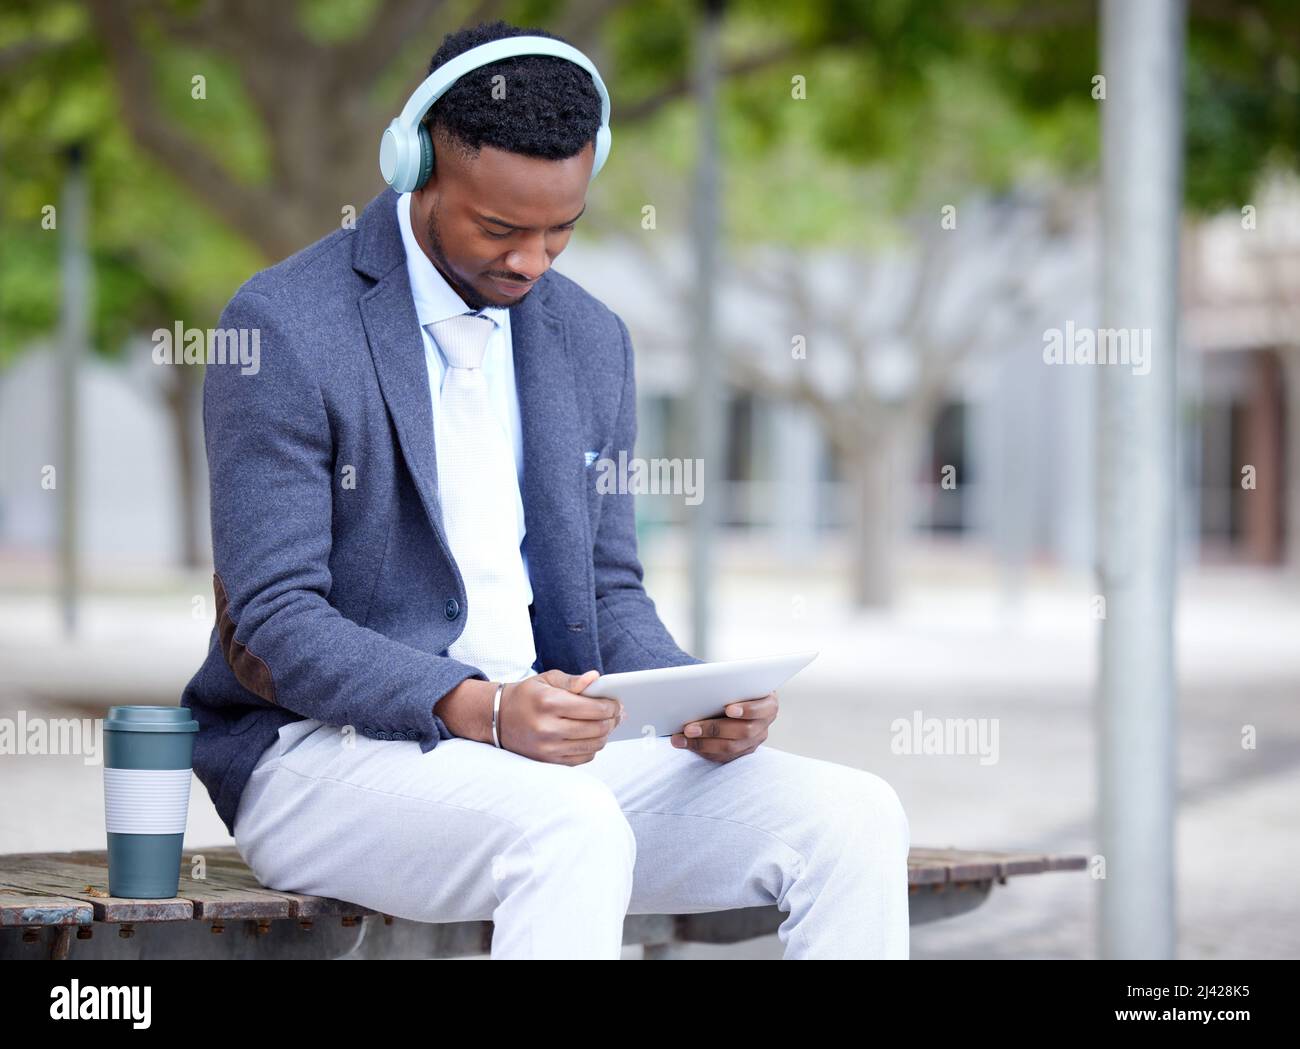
column 146, row 801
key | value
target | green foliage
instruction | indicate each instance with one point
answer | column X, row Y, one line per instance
column 158, row 255
column 910, row 103
column 328, row 21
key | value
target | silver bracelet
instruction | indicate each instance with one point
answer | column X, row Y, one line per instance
column 496, row 712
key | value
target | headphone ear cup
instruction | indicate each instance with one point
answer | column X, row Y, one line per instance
column 601, row 151
column 603, row 142
column 426, row 156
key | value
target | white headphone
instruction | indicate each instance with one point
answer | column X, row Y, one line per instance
column 406, row 150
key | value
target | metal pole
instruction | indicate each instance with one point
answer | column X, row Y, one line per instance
column 1291, row 414
column 706, row 401
column 1142, row 49
column 74, row 334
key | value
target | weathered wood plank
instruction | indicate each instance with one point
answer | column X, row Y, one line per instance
column 972, row 867
column 926, row 873
column 214, row 897
column 1011, row 864
column 233, row 874
column 303, row 906
column 1066, row 863
column 19, row 906
column 85, row 882
column 976, row 865
column 231, row 892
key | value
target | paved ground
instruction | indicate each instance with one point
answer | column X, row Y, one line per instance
column 952, row 648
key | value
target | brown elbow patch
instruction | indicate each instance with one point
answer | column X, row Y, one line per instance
column 249, row 670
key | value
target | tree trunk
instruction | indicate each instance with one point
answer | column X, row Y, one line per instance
column 875, row 532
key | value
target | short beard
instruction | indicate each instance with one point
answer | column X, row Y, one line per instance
column 468, row 295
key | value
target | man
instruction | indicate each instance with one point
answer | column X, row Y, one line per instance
column 407, row 536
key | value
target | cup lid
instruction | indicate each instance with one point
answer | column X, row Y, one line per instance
column 141, row 718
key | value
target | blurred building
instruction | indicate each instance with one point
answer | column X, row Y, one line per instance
column 1241, row 293
column 1017, row 433
column 129, row 494
column 1020, row 434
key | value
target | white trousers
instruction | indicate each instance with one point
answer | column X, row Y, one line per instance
column 556, row 855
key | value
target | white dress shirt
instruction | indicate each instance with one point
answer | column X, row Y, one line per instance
column 435, row 301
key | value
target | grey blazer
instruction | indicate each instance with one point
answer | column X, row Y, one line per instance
column 336, row 592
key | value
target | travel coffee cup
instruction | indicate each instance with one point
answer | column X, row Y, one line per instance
column 147, row 753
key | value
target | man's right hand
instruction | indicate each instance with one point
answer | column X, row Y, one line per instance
column 544, row 718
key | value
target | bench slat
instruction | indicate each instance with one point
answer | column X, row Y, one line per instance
column 302, row 906
column 51, row 888
column 48, row 873
column 19, row 906
column 957, row 865
column 231, row 892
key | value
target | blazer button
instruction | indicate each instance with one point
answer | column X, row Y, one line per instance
column 452, row 608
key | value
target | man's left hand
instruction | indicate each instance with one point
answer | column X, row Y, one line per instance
column 726, row 738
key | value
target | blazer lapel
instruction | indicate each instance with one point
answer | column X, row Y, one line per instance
column 557, row 538
column 397, row 348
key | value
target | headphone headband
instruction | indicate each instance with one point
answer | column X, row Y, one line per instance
column 406, row 151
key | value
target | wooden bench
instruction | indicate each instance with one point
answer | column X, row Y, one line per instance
column 56, row 905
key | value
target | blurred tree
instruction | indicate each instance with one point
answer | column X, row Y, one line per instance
column 941, row 96
column 908, row 103
column 871, row 343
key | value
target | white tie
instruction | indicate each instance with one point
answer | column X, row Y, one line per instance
column 479, row 490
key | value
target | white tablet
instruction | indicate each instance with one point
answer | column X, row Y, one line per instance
column 661, row 702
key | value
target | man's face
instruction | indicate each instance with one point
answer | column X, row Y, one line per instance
column 493, row 223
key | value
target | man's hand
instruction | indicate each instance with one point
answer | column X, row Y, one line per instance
column 544, row 718
column 726, row 738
